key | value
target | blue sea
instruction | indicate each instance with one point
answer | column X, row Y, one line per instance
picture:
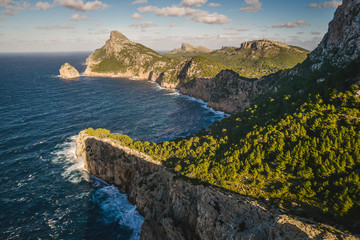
column 44, row 191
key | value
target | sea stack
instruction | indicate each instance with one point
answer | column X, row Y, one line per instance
column 68, row 72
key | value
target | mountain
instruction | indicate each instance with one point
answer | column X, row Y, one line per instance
column 293, row 146
column 120, row 57
column 186, row 48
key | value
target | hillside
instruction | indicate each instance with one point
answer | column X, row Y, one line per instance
column 187, row 48
column 298, row 145
column 253, row 59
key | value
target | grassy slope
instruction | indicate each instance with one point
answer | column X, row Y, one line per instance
column 252, row 65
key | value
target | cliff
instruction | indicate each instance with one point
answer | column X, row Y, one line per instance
column 341, row 44
column 69, row 72
column 175, row 207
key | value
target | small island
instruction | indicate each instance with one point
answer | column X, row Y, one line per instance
column 68, row 72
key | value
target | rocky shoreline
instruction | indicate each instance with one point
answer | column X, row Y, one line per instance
column 175, row 207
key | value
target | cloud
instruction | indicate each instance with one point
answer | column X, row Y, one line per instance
column 194, row 14
column 214, row 5
column 230, row 28
column 192, row 3
column 143, row 25
column 2, row 18
column 243, row 29
column 42, row 5
column 253, row 6
column 79, row 5
column 54, row 27
column 139, row 2
column 300, row 33
column 10, row 12
column 330, row 4
column 136, row 16
column 290, row 24
column 76, row 17
column 315, row 33
column 147, row 9
column 173, row 25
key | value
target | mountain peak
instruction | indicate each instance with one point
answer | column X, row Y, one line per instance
column 116, row 36
column 185, row 47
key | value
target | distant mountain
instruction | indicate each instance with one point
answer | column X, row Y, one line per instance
column 185, row 47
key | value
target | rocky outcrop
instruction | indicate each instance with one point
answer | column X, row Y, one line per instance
column 227, row 91
column 175, row 207
column 69, row 72
column 341, row 44
column 185, row 47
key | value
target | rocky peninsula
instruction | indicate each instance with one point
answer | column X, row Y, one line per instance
column 67, row 71
column 175, row 207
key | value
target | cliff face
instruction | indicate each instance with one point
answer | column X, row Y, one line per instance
column 227, row 91
column 69, row 72
column 176, row 208
column 341, row 44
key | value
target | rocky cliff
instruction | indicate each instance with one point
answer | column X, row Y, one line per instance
column 69, row 72
column 178, row 208
column 341, row 44
column 185, row 47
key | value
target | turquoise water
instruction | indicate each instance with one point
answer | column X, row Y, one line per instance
column 44, row 191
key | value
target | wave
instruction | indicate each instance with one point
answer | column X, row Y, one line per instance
column 73, row 166
column 116, row 208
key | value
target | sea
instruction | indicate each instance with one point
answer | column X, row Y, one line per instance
column 45, row 193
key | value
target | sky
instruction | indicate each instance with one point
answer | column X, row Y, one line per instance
column 81, row 25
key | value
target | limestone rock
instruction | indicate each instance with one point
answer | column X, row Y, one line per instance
column 176, row 208
column 341, row 44
column 69, row 72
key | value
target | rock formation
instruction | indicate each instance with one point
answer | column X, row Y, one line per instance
column 69, row 72
column 178, row 208
column 185, row 47
column 341, row 44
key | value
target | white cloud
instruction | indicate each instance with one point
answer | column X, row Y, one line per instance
column 79, row 5
column 192, row 3
column 4, row 3
column 54, row 27
column 299, row 33
column 253, row 6
column 173, row 25
column 136, row 16
column 315, row 33
column 42, row 5
column 194, row 14
column 243, row 29
column 76, row 17
column 139, row 2
column 143, row 25
column 10, row 12
column 290, row 24
column 330, row 4
column 147, row 9
column 2, row 18
column 214, row 5
column 232, row 28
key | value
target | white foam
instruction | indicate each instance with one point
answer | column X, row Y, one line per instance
column 116, row 208
column 73, row 166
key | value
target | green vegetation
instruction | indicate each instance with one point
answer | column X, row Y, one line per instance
column 300, row 144
column 252, row 63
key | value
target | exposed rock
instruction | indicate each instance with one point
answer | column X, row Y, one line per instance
column 69, row 72
column 341, row 44
column 176, row 208
column 185, row 47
